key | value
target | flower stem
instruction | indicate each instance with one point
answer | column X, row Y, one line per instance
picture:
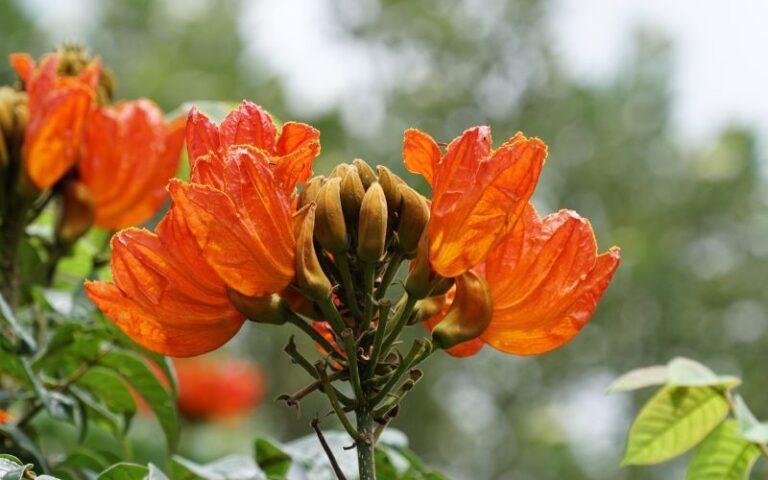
column 389, row 275
column 381, row 328
column 365, row 446
column 403, row 315
column 349, row 285
column 369, row 275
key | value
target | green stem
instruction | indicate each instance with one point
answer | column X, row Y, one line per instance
column 348, row 337
column 416, row 349
column 381, row 328
column 312, row 333
column 369, row 276
column 349, row 285
column 365, row 445
column 402, row 318
column 389, row 275
column 331, row 315
column 337, row 408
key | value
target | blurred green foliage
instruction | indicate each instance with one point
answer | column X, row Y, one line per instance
column 691, row 219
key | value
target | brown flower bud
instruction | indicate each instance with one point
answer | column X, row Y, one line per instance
column 311, row 189
column 340, row 170
column 267, row 309
column 76, row 213
column 414, row 215
column 469, row 314
column 13, row 121
column 352, row 193
column 310, row 277
column 372, row 229
column 390, row 183
column 367, row 176
column 330, row 228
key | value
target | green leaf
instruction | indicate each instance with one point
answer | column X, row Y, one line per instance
column 640, row 378
column 723, row 455
column 233, row 467
column 110, row 389
column 124, row 471
column 23, row 441
column 137, row 373
column 10, row 364
column 7, row 313
column 56, row 404
column 684, row 372
column 271, row 459
column 750, row 427
column 673, row 421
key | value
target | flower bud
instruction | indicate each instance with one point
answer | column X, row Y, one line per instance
column 340, row 170
column 421, row 276
column 390, row 183
column 367, row 176
column 309, row 274
column 311, row 189
column 427, row 308
column 414, row 215
column 352, row 193
column 372, row 229
column 330, row 228
column 13, row 121
column 469, row 314
column 76, row 214
column 74, row 58
column 267, row 309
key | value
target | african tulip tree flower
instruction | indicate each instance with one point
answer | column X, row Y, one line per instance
column 218, row 387
column 164, row 295
column 58, row 106
column 229, row 232
column 477, row 193
column 129, row 154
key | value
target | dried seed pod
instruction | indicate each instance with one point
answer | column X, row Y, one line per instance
column 367, row 175
column 372, row 229
column 330, row 228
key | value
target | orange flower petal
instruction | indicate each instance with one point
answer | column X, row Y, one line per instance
column 295, row 136
column 152, row 331
column 421, row 154
column 24, row 65
column 202, row 136
column 295, row 167
column 248, row 124
column 129, row 155
column 545, row 280
column 478, row 196
column 247, row 239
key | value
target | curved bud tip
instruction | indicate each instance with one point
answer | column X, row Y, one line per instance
column 366, row 173
column 372, row 228
column 268, row 309
column 469, row 314
column 330, row 228
column 352, row 193
column 414, row 215
column 311, row 190
column 310, row 277
column 77, row 213
column 389, row 183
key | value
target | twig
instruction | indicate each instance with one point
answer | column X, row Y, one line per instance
column 378, row 340
column 389, row 274
column 334, row 464
column 337, row 408
column 349, row 285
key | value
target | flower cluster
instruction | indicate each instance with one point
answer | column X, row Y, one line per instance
column 110, row 162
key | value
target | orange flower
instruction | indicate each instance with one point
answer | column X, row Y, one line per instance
column 218, row 387
column 164, row 295
column 5, row 417
column 238, row 204
column 545, row 279
column 129, row 155
column 477, row 194
column 229, row 228
column 58, row 105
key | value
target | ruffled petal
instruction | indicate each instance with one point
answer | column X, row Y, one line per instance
column 248, row 124
column 162, row 332
column 545, row 280
column 24, row 65
column 478, row 196
column 130, row 154
column 421, row 154
column 241, row 252
column 295, row 136
column 295, row 167
column 202, row 136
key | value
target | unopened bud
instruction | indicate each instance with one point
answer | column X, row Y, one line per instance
column 267, row 309
column 311, row 189
column 372, row 229
column 340, row 170
column 421, row 277
column 330, row 228
column 414, row 215
column 390, row 183
column 13, row 121
column 309, row 274
column 469, row 314
column 74, row 58
column 367, row 175
column 352, row 193
column 76, row 213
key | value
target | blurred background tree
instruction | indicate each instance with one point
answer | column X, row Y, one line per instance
column 691, row 219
